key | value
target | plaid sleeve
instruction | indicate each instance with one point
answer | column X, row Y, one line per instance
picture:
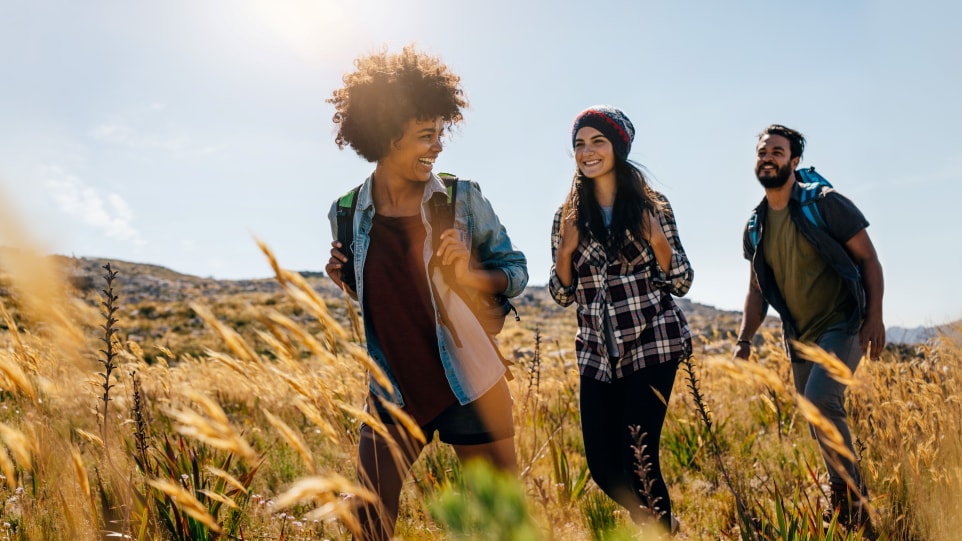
column 561, row 294
column 680, row 273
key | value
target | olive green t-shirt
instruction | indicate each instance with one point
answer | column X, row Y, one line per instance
column 815, row 294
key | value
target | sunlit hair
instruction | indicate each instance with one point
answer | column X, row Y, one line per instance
column 385, row 92
column 795, row 138
column 633, row 196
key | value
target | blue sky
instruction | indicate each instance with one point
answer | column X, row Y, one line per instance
column 174, row 132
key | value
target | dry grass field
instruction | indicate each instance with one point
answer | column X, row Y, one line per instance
column 155, row 409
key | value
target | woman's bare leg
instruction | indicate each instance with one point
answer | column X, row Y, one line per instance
column 383, row 467
column 500, row 454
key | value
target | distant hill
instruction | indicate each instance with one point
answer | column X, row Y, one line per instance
column 141, row 282
column 918, row 335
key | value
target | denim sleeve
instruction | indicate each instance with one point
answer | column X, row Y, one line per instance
column 491, row 243
column 680, row 273
column 561, row 294
column 332, row 217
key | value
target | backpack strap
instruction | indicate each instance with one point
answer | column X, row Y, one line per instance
column 812, row 184
column 442, row 218
column 753, row 232
column 811, row 187
column 346, row 206
column 809, row 196
column 443, row 208
column 493, row 309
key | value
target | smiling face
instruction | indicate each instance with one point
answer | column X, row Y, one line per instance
column 773, row 162
column 594, row 154
column 412, row 155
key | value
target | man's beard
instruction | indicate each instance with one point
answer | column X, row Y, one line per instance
column 781, row 176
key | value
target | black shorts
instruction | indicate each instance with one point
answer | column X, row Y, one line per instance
column 487, row 419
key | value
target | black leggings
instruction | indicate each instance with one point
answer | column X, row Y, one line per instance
column 607, row 412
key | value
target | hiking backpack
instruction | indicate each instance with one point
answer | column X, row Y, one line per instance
column 811, row 184
column 442, row 208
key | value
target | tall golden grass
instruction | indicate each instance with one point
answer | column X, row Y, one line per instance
column 256, row 439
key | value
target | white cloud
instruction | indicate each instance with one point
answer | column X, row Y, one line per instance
column 122, row 134
column 77, row 199
column 140, row 131
column 114, row 133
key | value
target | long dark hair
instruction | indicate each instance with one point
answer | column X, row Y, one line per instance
column 633, row 196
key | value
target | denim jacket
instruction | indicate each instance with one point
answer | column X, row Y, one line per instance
column 472, row 369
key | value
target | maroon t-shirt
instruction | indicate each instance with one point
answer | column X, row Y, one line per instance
column 399, row 308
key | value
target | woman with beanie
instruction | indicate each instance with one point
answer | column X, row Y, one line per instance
column 617, row 254
column 440, row 367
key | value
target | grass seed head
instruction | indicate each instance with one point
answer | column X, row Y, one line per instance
column 186, row 502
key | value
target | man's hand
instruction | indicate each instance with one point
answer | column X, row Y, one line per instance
column 742, row 350
column 871, row 337
column 752, row 317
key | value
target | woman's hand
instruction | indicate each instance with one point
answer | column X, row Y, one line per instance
column 454, row 253
column 335, row 264
column 569, row 234
column 568, row 239
column 658, row 241
column 656, row 235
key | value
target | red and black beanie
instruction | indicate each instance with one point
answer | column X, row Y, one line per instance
column 611, row 122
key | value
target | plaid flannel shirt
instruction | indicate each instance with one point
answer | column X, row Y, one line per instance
column 632, row 294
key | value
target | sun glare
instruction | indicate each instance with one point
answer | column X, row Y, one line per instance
column 313, row 29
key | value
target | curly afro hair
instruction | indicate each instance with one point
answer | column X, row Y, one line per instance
column 385, row 92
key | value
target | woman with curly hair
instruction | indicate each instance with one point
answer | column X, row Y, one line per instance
column 617, row 254
column 441, row 368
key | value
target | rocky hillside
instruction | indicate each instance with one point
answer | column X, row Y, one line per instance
column 141, row 282
column 155, row 297
column 156, row 306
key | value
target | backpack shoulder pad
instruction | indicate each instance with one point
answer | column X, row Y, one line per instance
column 348, row 200
column 752, row 229
column 810, row 176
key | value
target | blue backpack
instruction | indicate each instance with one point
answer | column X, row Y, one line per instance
column 811, row 184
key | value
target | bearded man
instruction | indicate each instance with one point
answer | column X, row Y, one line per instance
column 825, row 280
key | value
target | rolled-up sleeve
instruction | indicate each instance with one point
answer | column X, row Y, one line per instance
column 561, row 294
column 493, row 246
